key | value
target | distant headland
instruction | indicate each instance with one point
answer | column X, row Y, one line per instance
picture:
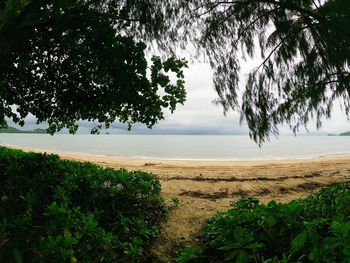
column 345, row 133
column 15, row 130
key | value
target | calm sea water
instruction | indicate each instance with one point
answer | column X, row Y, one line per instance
column 184, row 146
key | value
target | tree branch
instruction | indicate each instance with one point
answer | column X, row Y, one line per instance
column 241, row 33
column 279, row 44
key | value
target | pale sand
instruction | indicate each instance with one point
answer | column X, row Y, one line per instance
column 205, row 187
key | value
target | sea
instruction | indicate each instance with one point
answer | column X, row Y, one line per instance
column 185, row 147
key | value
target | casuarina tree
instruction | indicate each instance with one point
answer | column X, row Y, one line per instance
column 303, row 47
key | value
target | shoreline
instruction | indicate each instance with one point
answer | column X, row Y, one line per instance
column 180, row 160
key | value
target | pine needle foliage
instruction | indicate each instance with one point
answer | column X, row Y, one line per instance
column 303, row 45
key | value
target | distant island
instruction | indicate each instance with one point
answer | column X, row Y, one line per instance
column 345, row 133
column 15, row 130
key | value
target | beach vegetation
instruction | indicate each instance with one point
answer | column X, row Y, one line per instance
column 176, row 201
column 53, row 210
column 314, row 229
column 187, row 254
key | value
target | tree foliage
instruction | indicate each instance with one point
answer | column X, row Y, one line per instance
column 65, row 61
column 49, row 65
column 305, row 50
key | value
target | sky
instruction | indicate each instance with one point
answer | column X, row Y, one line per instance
column 199, row 115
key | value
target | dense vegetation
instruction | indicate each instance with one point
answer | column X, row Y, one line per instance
column 10, row 129
column 67, row 61
column 62, row 211
column 316, row 229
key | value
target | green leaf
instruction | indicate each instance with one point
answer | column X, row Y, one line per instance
column 17, row 256
column 299, row 241
column 231, row 255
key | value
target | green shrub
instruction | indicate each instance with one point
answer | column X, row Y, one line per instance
column 315, row 229
column 187, row 254
column 63, row 211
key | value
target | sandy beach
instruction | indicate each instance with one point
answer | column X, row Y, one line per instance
column 206, row 187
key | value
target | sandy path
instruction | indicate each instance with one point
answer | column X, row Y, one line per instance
column 207, row 187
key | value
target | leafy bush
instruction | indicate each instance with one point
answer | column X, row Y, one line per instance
column 187, row 254
column 315, row 229
column 63, row 211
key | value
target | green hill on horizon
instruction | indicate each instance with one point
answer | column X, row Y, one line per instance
column 345, row 133
column 15, row 130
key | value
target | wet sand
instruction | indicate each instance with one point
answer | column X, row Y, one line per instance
column 206, row 187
